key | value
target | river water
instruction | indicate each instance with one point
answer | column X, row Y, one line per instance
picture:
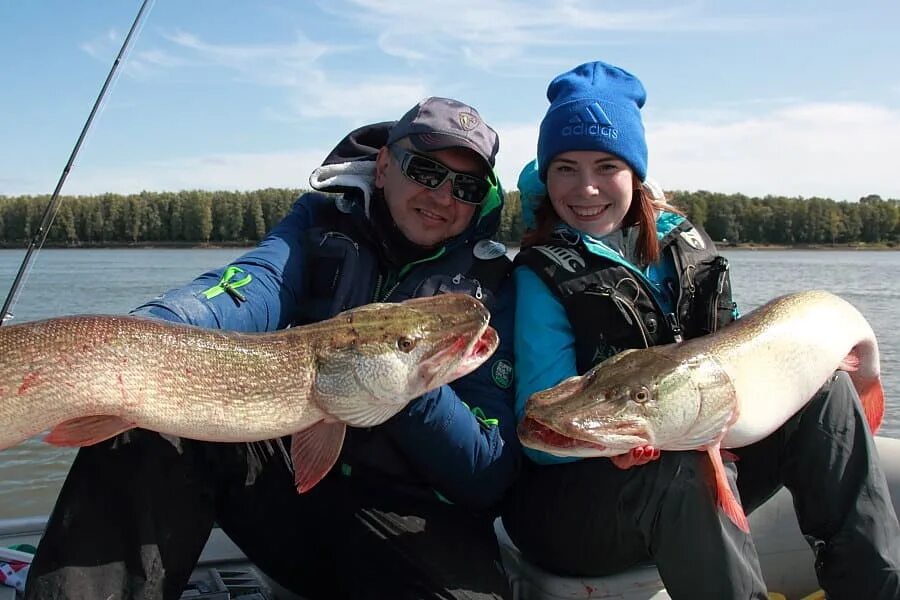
column 113, row 281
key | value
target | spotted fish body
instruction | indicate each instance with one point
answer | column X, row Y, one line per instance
column 88, row 378
column 725, row 390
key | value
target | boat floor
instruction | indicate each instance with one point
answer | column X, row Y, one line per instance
column 222, row 573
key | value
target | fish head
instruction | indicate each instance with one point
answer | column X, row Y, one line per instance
column 380, row 356
column 635, row 398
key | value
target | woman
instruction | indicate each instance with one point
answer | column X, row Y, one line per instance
column 607, row 265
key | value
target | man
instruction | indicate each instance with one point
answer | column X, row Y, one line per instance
column 407, row 511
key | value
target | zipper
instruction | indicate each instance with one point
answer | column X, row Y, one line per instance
column 382, row 281
column 686, row 283
column 720, row 264
column 390, row 291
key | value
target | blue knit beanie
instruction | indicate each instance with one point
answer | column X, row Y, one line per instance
column 595, row 106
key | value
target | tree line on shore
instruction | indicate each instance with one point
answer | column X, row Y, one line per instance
column 205, row 217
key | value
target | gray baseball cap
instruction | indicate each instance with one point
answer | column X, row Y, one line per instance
column 441, row 123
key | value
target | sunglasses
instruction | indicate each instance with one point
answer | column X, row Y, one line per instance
column 469, row 189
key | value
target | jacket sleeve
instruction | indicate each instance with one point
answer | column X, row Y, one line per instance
column 544, row 347
column 260, row 291
column 462, row 436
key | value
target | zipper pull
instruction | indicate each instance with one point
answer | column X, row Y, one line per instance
column 722, row 264
column 611, row 295
column 672, row 320
column 689, row 278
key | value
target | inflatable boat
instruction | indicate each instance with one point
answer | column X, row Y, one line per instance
column 223, row 571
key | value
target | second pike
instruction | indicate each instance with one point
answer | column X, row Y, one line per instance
column 89, row 378
column 724, row 390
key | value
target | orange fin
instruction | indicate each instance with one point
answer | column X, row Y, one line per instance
column 872, row 398
column 85, row 431
column 314, row 451
column 730, row 505
column 870, row 391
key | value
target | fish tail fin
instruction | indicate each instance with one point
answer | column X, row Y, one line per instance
column 726, row 499
column 314, row 451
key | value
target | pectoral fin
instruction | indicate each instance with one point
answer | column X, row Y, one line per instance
column 726, row 499
column 86, row 431
column 314, row 451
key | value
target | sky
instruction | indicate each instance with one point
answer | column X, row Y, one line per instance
column 767, row 97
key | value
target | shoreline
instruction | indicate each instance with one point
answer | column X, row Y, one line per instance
column 250, row 244
column 824, row 247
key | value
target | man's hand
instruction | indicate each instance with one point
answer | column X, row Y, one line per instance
column 638, row 456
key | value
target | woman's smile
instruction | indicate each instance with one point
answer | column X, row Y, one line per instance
column 588, row 213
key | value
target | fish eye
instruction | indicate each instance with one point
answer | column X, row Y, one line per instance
column 641, row 395
column 406, row 344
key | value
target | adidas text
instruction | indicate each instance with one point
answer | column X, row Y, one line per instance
column 582, row 129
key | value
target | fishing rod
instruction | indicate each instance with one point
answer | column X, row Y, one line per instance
column 40, row 236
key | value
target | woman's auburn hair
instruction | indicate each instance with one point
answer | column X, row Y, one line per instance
column 642, row 213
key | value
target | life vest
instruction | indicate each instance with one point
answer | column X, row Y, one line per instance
column 611, row 307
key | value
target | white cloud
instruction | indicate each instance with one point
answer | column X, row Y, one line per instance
column 139, row 64
column 311, row 90
column 489, row 34
column 270, row 64
column 837, row 150
column 358, row 101
column 103, row 46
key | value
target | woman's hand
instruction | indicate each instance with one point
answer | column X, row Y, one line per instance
column 638, row 456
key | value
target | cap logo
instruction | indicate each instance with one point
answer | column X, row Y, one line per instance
column 591, row 120
column 468, row 121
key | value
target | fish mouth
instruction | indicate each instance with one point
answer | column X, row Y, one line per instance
column 618, row 438
column 531, row 431
column 463, row 355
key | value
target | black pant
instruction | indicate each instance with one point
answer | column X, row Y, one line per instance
column 132, row 519
column 590, row 518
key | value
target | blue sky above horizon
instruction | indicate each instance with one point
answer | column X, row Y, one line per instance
column 799, row 98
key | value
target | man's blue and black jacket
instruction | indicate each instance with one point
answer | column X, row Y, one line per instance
column 457, row 442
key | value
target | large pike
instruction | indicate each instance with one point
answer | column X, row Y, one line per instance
column 725, row 390
column 92, row 377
